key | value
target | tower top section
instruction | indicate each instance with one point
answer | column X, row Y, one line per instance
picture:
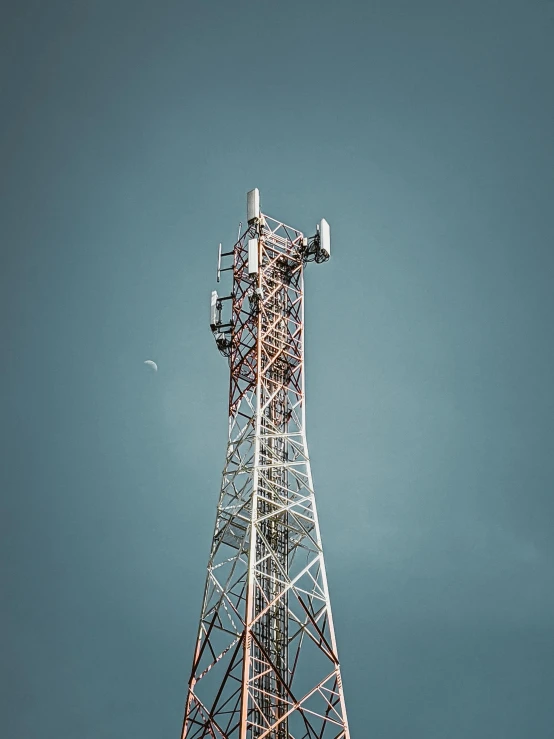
column 267, row 253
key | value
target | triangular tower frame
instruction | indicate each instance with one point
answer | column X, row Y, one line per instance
column 265, row 664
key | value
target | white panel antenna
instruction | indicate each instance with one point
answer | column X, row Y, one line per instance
column 325, row 237
column 252, row 256
column 253, row 205
column 214, row 311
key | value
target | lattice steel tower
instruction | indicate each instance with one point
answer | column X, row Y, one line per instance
column 265, row 663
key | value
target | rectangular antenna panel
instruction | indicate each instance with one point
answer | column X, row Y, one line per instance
column 253, row 205
column 213, row 311
column 252, row 256
column 325, row 237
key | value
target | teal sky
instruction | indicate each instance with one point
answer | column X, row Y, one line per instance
column 424, row 133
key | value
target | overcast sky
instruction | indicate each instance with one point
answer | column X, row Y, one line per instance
column 424, row 133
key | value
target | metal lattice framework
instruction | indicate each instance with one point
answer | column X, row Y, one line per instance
column 265, row 663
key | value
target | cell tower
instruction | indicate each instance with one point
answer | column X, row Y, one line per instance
column 265, row 663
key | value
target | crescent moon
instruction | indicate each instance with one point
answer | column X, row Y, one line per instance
column 152, row 364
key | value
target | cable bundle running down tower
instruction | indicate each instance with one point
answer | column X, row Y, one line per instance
column 265, row 664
